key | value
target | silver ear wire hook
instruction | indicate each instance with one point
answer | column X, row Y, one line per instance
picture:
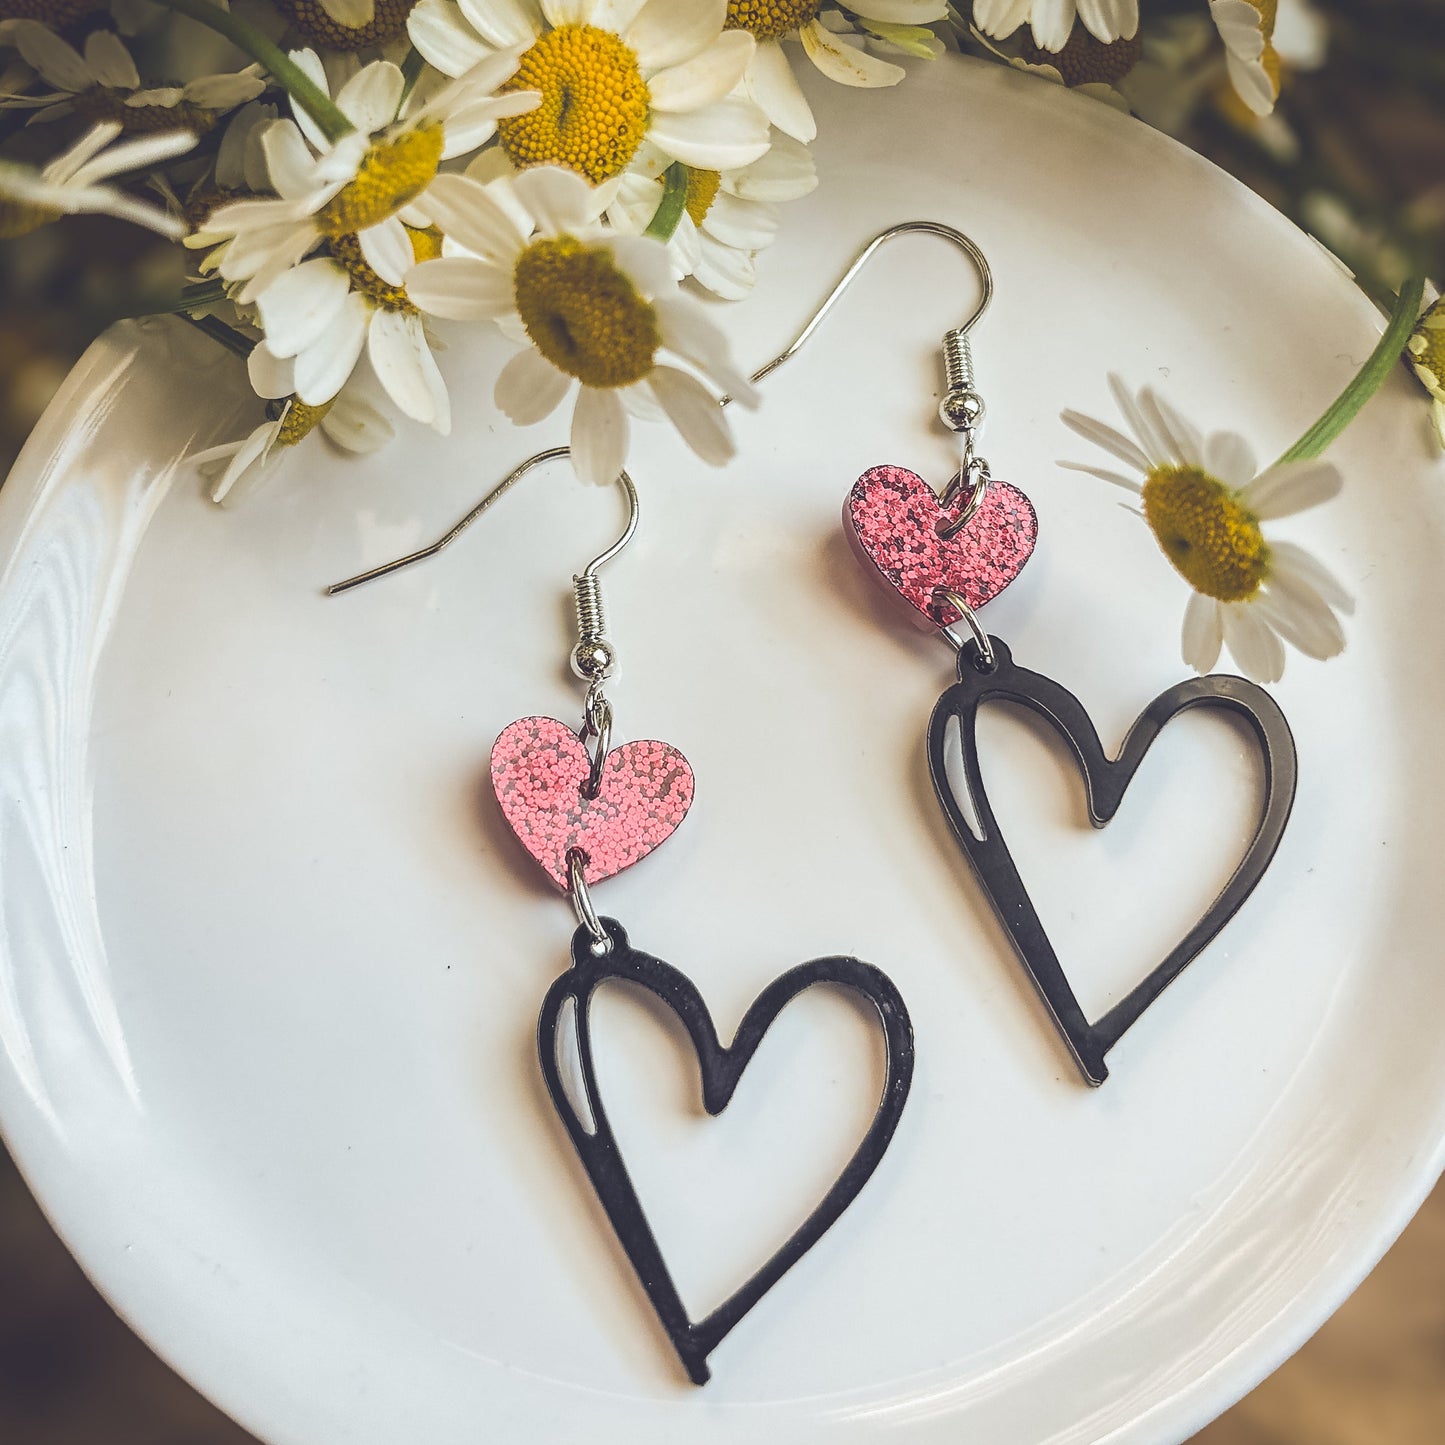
column 497, row 492
column 961, row 409
column 593, row 658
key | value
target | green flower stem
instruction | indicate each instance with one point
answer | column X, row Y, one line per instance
column 1371, row 377
column 674, row 202
column 302, row 89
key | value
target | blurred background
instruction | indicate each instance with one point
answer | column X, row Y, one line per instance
column 1354, row 152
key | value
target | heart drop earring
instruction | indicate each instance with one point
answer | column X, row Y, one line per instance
column 946, row 555
column 585, row 810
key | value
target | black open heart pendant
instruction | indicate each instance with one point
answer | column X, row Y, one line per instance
column 1106, row 780
column 720, row 1069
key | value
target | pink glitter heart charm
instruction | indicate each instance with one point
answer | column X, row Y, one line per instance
column 539, row 767
column 892, row 516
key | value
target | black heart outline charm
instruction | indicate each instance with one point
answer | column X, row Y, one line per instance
column 1105, row 781
column 720, row 1070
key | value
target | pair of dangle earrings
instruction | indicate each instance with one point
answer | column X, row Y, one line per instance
column 585, row 810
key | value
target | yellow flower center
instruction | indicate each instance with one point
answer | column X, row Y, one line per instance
column 425, row 246
column 20, row 218
column 593, row 113
column 102, row 102
column 311, row 19
column 771, row 19
column 392, row 174
column 300, row 420
column 1214, row 543
column 702, row 188
column 583, row 314
column 1427, row 350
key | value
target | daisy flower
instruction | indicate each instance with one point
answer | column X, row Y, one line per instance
column 102, row 83
column 595, row 308
column 360, row 185
column 236, row 469
column 1247, row 29
column 1052, row 20
column 770, row 81
column 1427, row 356
column 70, row 183
column 1204, row 501
column 730, row 215
column 612, row 74
column 319, row 315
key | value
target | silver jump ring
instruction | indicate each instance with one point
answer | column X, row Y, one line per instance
column 976, row 477
column 596, row 723
column 582, row 901
column 987, row 658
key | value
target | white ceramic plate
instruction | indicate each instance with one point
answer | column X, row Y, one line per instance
column 270, row 964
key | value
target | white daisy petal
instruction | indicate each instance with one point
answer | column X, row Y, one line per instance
column 289, row 162
column 694, row 411
column 1184, row 439
column 1104, row 475
column 109, row 61
column 786, row 173
column 1000, row 17
column 530, row 388
column 476, row 216
column 387, row 250
column 223, row 92
column 599, row 435
column 847, row 64
column 725, row 272
column 1290, row 487
column 669, row 32
column 357, row 426
column 1155, row 444
column 567, row 12
column 644, row 262
column 322, row 370
column 59, row 64
column 252, row 453
column 560, row 200
column 747, row 225
column 771, row 85
column 297, row 309
column 1110, row 20
column 271, row 376
column 1203, row 632
column 130, row 155
column 1290, row 559
column 310, row 63
column 505, row 24
column 370, row 99
column 1230, row 458
column 1302, row 617
column 722, row 137
column 1051, row 21
column 461, row 288
column 443, row 38
column 1114, row 442
column 707, row 77
column 1252, row 642
column 403, row 363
